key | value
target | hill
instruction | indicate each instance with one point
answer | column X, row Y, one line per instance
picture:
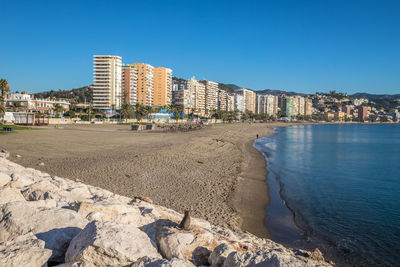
column 76, row 95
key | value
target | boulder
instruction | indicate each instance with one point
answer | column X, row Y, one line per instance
column 172, row 242
column 220, row 253
column 9, row 194
column 19, row 181
column 55, row 226
column 264, row 258
column 25, row 250
column 111, row 210
column 200, row 256
column 4, row 179
column 110, row 244
column 174, row 262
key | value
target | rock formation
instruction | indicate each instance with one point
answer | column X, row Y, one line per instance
column 46, row 220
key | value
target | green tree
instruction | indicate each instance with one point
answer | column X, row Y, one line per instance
column 58, row 109
column 4, row 87
column 126, row 111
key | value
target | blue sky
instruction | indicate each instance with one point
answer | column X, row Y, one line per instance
column 302, row 46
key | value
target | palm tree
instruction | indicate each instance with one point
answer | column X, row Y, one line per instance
column 2, row 111
column 149, row 110
column 139, row 112
column 4, row 87
column 126, row 111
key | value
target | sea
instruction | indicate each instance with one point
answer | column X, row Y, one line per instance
column 336, row 187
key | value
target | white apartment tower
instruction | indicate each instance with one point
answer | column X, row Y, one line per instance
column 211, row 94
column 107, row 82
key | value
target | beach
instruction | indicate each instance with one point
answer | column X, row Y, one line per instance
column 215, row 171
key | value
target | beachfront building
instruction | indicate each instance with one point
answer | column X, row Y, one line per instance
column 230, row 102
column 362, row 113
column 267, row 104
column 129, row 84
column 308, row 107
column 22, row 100
column 190, row 94
column 249, row 98
column 27, row 103
column 222, row 100
column 239, row 102
column 145, row 83
column 107, row 82
column 162, row 95
column 211, row 95
column 287, row 108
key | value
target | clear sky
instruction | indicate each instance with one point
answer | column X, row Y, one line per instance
column 303, row 46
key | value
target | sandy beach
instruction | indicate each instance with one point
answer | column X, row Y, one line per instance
column 216, row 172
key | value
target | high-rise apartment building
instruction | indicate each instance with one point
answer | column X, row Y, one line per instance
column 129, row 84
column 362, row 113
column 308, row 107
column 239, row 102
column 145, row 83
column 267, row 104
column 190, row 94
column 230, row 102
column 222, row 100
column 107, row 74
column 162, row 95
column 288, row 104
column 249, row 99
column 211, row 95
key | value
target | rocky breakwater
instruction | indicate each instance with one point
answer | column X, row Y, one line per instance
column 51, row 221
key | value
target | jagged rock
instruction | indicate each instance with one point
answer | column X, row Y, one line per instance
column 110, row 244
column 4, row 179
column 24, row 250
column 200, row 256
column 174, row 262
column 73, row 264
column 220, row 253
column 264, row 258
column 317, row 255
column 9, row 194
column 55, row 226
column 4, row 154
column 109, row 210
column 172, row 242
column 19, row 181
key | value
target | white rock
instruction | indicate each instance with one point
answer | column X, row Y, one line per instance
column 264, row 258
column 4, row 179
column 9, row 194
column 24, row 250
column 74, row 264
column 19, row 181
column 220, row 253
column 110, row 244
column 55, row 226
column 173, row 242
column 147, row 262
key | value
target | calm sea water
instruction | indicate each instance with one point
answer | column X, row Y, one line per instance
column 339, row 184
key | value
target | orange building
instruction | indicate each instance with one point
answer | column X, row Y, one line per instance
column 162, row 86
column 145, row 83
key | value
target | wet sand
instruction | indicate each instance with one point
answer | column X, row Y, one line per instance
column 216, row 172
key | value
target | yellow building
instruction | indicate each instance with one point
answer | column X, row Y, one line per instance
column 162, row 86
column 339, row 116
column 145, row 83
